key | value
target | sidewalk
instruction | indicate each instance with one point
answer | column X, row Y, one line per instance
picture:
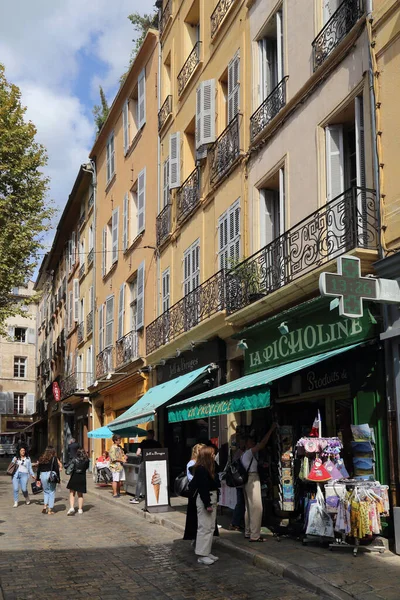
column 337, row 574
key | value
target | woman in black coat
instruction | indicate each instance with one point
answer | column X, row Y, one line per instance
column 77, row 483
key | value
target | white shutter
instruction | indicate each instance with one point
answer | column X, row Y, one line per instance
column 234, row 232
column 141, row 200
column 112, row 156
column 223, row 242
column 101, row 328
column 73, row 248
column 121, row 311
column 334, row 161
column 89, row 367
column 205, row 113
column 279, row 44
column 281, row 216
column 109, row 321
column 166, row 183
column 360, row 142
column 125, row 125
column 10, row 402
column 233, row 88
column 11, row 333
column 115, row 231
column 142, row 99
column 91, row 299
column 70, row 309
column 140, row 297
column 30, row 404
column 31, row 336
column 104, row 252
column 165, row 290
column 82, row 310
column 174, row 160
column 76, row 299
column 82, row 253
column 125, row 222
column 3, row 403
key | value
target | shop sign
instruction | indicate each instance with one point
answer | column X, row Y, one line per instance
column 56, row 392
column 17, row 424
column 317, row 379
column 156, row 478
column 204, row 354
column 322, row 331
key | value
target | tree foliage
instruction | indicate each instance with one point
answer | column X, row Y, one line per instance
column 24, row 210
column 141, row 23
column 100, row 112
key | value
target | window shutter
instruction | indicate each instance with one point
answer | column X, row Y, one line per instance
column 30, row 404
column 112, row 157
column 199, row 114
column 208, row 112
column 101, row 328
column 10, row 402
column 121, row 311
column 360, row 142
column 3, row 403
column 31, row 336
column 334, row 161
column 141, row 200
column 233, row 88
column 11, row 333
column 89, row 367
column 174, row 160
column 82, row 253
column 166, row 183
column 142, row 99
column 114, row 229
column 140, row 297
column 104, row 252
column 125, row 124
column 165, row 290
column 76, row 299
column 73, row 248
column 70, row 309
column 279, row 45
column 234, row 232
column 82, row 310
column 91, row 299
column 223, row 241
column 125, row 219
column 109, row 321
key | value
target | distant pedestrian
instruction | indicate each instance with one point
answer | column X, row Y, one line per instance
column 117, row 460
column 48, row 468
column 191, row 512
column 77, row 483
column 240, row 507
column 21, row 475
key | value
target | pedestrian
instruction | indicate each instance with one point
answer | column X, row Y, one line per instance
column 147, row 444
column 117, row 460
column 237, row 523
column 21, row 475
column 191, row 513
column 73, row 448
column 205, row 485
column 77, row 483
column 252, row 489
column 48, row 468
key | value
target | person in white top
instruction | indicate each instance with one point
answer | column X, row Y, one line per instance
column 21, row 475
column 252, row 489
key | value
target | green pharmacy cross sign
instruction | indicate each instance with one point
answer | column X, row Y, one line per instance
column 348, row 285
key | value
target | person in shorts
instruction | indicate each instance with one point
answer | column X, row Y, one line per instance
column 117, row 458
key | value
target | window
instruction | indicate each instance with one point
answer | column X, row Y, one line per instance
column 191, row 268
column 89, row 366
column 73, row 249
column 205, row 113
column 101, row 328
column 229, row 236
column 125, row 223
column 133, row 303
column 329, row 7
column 134, row 111
column 141, row 106
column 114, row 234
column 76, row 299
column 110, row 157
column 121, row 312
column 270, row 56
column 174, row 160
column 135, row 218
column 166, row 182
column 109, row 340
column 82, row 252
column 79, row 368
column 233, row 88
column 165, row 290
column 272, row 208
column 70, row 309
column 20, row 334
column 90, row 238
column 140, row 296
column 20, row 366
column 82, row 310
column 125, row 125
column 19, row 404
column 104, row 237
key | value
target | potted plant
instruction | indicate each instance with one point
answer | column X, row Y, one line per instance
column 246, row 279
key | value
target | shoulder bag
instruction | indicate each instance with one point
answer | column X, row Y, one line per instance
column 53, row 476
column 70, row 468
column 236, row 475
column 12, row 468
column 181, row 485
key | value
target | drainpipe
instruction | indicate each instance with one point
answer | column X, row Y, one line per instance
column 158, row 265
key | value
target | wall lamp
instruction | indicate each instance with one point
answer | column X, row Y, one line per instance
column 283, row 328
column 242, row 345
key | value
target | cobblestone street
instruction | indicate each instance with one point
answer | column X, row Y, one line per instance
column 105, row 553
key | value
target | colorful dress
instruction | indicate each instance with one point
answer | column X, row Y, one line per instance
column 116, row 454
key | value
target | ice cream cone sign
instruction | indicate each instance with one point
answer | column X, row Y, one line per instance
column 156, row 482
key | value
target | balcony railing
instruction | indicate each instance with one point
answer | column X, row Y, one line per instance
column 81, row 332
column 188, row 195
column 164, row 112
column 105, row 362
column 219, row 14
column 271, row 106
column 163, row 224
column 338, row 26
column 165, row 15
column 90, row 257
column 127, row 349
column 81, row 270
column 89, row 322
column 189, row 67
column 81, row 221
column 91, row 201
column 343, row 224
column 224, row 151
column 72, row 384
column 204, row 301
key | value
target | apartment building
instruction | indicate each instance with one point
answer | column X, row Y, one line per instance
column 65, row 322
column 18, row 365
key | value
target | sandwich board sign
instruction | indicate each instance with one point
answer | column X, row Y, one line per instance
column 156, row 479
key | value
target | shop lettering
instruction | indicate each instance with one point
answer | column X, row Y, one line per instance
column 182, row 366
column 210, row 409
column 316, row 383
column 311, row 337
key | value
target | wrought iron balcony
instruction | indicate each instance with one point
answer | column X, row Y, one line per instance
column 345, row 223
column 81, row 270
column 271, row 106
column 105, row 362
column 224, row 151
column 338, row 26
column 163, row 224
column 188, row 195
column 165, row 15
column 81, row 221
column 81, row 332
column 189, row 67
column 164, row 112
column 219, row 14
column 90, row 257
column 127, row 349
column 90, row 201
column 89, row 322
column 72, row 384
column 203, row 302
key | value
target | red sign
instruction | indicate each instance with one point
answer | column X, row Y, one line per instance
column 56, row 392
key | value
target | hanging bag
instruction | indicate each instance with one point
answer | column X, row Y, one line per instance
column 319, row 521
column 181, row 485
column 53, row 476
column 12, row 468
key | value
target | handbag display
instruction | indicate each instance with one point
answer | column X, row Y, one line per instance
column 181, row 485
column 12, row 469
column 36, row 489
column 53, row 476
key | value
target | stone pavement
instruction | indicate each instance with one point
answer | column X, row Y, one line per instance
column 336, row 574
column 107, row 553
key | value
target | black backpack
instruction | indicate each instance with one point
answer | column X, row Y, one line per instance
column 235, row 474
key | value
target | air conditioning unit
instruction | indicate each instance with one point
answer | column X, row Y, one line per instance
column 289, row 386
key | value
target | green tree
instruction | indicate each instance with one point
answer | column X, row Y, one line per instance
column 100, row 113
column 24, row 210
column 141, row 23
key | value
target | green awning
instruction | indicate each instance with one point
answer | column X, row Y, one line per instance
column 146, row 407
column 246, row 393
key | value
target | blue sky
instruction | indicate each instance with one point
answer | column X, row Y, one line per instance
column 59, row 53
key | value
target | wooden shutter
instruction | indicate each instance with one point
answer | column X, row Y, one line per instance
column 174, row 160
column 89, row 367
column 101, row 328
column 334, row 161
column 166, row 183
column 165, row 290
column 11, row 333
column 31, row 336
column 223, row 241
column 234, row 232
column 30, row 404
column 73, row 248
column 112, row 156
column 125, row 124
column 360, row 142
column 3, row 403
column 140, row 297
column 76, row 299
column 115, row 231
column 70, row 309
column 109, row 322
column 10, row 402
column 205, row 113
column 141, row 200
column 104, row 252
column 233, row 88
column 121, row 311
column 125, row 222
column 82, row 310
column 142, row 99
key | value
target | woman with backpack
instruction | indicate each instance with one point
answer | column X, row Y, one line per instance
column 77, row 483
column 48, row 475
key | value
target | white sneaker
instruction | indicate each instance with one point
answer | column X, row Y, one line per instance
column 15, row 505
column 214, row 558
column 134, row 501
column 80, row 511
column 71, row 512
column 205, row 560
